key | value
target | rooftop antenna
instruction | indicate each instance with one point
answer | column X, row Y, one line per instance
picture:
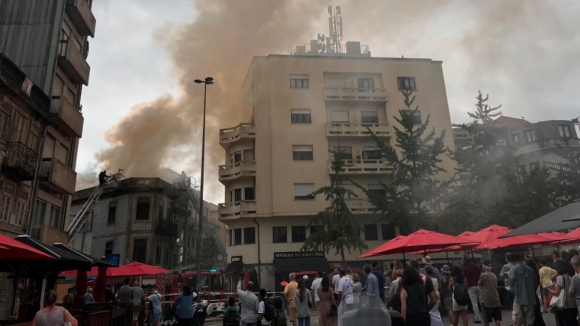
column 335, row 28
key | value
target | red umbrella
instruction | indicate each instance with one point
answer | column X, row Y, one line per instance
column 465, row 235
column 419, row 240
column 13, row 249
column 490, row 239
column 133, row 269
column 380, row 248
column 144, row 269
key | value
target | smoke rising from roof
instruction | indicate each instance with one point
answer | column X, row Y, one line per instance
column 488, row 45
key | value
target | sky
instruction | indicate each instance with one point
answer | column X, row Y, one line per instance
column 145, row 54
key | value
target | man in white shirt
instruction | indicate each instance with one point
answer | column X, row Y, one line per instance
column 314, row 287
column 249, row 305
column 262, row 313
column 345, row 290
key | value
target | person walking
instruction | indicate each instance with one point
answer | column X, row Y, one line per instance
column 345, row 292
column 521, row 281
column 335, row 281
column 394, row 287
column 460, row 297
column 327, row 307
column 436, row 319
column 574, row 291
column 303, row 303
column 51, row 314
column 372, row 287
column 356, row 290
column 155, row 301
column 505, row 270
column 290, row 292
column 491, row 304
column 249, row 304
column 566, row 315
column 265, row 309
column 471, row 273
column 138, row 301
column 89, row 298
column 546, row 275
column 314, row 287
column 184, row 307
column 381, row 278
column 413, row 299
column 446, row 294
column 538, row 319
column 429, row 263
column 68, row 300
column 125, row 293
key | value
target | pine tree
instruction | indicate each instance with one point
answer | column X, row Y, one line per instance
column 340, row 229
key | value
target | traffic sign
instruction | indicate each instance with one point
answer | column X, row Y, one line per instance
column 113, row 259
column 213, row 270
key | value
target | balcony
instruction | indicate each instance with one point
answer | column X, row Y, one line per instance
column 57, row 176
column 20, row 161
column 241, row 131
column 73, row 63
column 166, row 227
column 357, row 129
column 232, row 211
column 363, row 166
column 82, row 17
column 65, row 115
column 16, row 80
column 360, row 206
column 237, row 170
column 355, row 94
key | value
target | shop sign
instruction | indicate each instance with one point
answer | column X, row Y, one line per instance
column 299, row 255
column 236, row 259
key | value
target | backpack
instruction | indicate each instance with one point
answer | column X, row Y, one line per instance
column 460, row 294
column 268, row 309
column 231, row 319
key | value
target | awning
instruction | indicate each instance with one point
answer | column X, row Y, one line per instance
column 96, row 261
column 564, row 218
column 65, row 259
column 235, row 267
column 296, row 265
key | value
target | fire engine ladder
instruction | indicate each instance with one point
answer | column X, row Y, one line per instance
column 80, row 219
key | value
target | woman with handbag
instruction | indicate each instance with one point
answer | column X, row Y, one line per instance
column 327, row 305
column 303, row 304
column 565, row 308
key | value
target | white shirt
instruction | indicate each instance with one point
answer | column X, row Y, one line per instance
column 335, row 281
column 345, row 286
column 315, row 285
column 262, row 310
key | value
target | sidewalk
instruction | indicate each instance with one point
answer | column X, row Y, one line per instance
column 506, row 319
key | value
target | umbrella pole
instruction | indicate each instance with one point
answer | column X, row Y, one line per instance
column 404, row 259
column 447, row 254
column 472, row 256
column 533, row 253
column 42, row 290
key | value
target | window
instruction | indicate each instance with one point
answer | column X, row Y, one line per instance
column 249, row 193
column 366, row 84
column 530, row 136
column 19, row 128
column 336, row 82
column 376, row 190
column 140, row 250
column 303, row 191
column 564, row 131
column 371, row 153
column 369, row 118
column 21, row 213
column 343, row 152
column 349, row 194
column 54, row 216
column 109, row 248
column 143, row 208
column 522, row 169
column 113, row 211
column 34, row 135
column 237, row 195
column 298, row 233
column 316, row 228
column 279, row 234
column 249, row 235
column 237, row 157
column 298, row 81
column 300, row 116
column 237, row 237
column 248, row 155
column 158, row 250
column 371, row 232
column 515, row 138
column 38, row 218
column 416, row 116
column 339, row 118
column 4, row 126
column 8, row 196
column 230, row 238
column 388, row 232
column 535, row 166
column 406, row 83
column 302, row 153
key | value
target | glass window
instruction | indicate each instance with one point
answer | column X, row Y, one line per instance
column 371, row 153
column 349, row 188
column 303, row 191
column 230, row 238
column 248, row 155
column 299, row 81
column 113, row 211
column 143, row 208
column 535, row 166
column 316, row 228
column 54, row 216
column 4, row 126
column 369, row 118
column 515, row 138
column 366, row 84
column 249, row 193
column 34, row 136
column 376, row 190
column 60, row 152
column 19, row 126
column 302, row 153
column 237, row 195
column 21, row 213
column 339, row 118
column 406, row 83
column 343, row 152
column 140, row 250
column 530, row 136
column 249, row 235
column 564, row 131
column 416, row 116
column 279, row 234
column 39, row 214
column 109, row 248
column 237, row 157
column 300, row 116
column 7, row 198
column 237, row 237
column 388, row 232
column 298, row 233
column 371, row 232
column 336, row 82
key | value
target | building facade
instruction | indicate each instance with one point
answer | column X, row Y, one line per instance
column 296, row 109
column 48, row 41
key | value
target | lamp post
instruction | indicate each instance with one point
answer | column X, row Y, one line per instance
column 205, row 82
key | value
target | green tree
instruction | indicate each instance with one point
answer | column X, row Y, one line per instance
column 341, row 230
column 413, row 190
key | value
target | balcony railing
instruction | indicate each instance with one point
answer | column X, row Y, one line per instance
column 73, row 63
column 82, row 17
column 355, row 94
column 241, row 131
column 363, row 166
column 346, row 129
column 57, row 176
column 360, row 206
column 237, row 170
column 20, row 161
column 231, row 211
column 166, row 226
column 15, row 79
column 64, row 114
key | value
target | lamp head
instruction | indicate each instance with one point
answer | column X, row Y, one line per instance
column 198, row 81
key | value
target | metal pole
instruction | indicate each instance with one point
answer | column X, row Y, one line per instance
column 200, row 231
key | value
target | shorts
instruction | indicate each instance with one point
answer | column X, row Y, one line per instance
column 155, row 319
column 492, row 314
column 448, row 303
column 522, row 311
column 292, row 314
column 457, row 307
column 136, row 315
column 545, row 292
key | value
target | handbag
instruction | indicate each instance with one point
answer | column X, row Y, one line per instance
column 560, row 300
column 333, row 310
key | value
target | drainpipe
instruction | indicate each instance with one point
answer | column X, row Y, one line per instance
column 35, row 182
column 259, row 257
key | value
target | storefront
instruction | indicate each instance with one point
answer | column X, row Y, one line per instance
column 300, row 262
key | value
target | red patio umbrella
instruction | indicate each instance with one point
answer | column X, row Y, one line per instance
column 13, row 249
column 517, row 241
column 573, row 237
column 144, row 269
column 466, row 235
column 419, row 240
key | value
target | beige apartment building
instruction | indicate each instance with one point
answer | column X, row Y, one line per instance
column 296, row 109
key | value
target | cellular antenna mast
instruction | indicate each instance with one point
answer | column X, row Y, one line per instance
column 335, row 29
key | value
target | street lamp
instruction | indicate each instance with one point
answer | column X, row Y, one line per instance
column 206, row 81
